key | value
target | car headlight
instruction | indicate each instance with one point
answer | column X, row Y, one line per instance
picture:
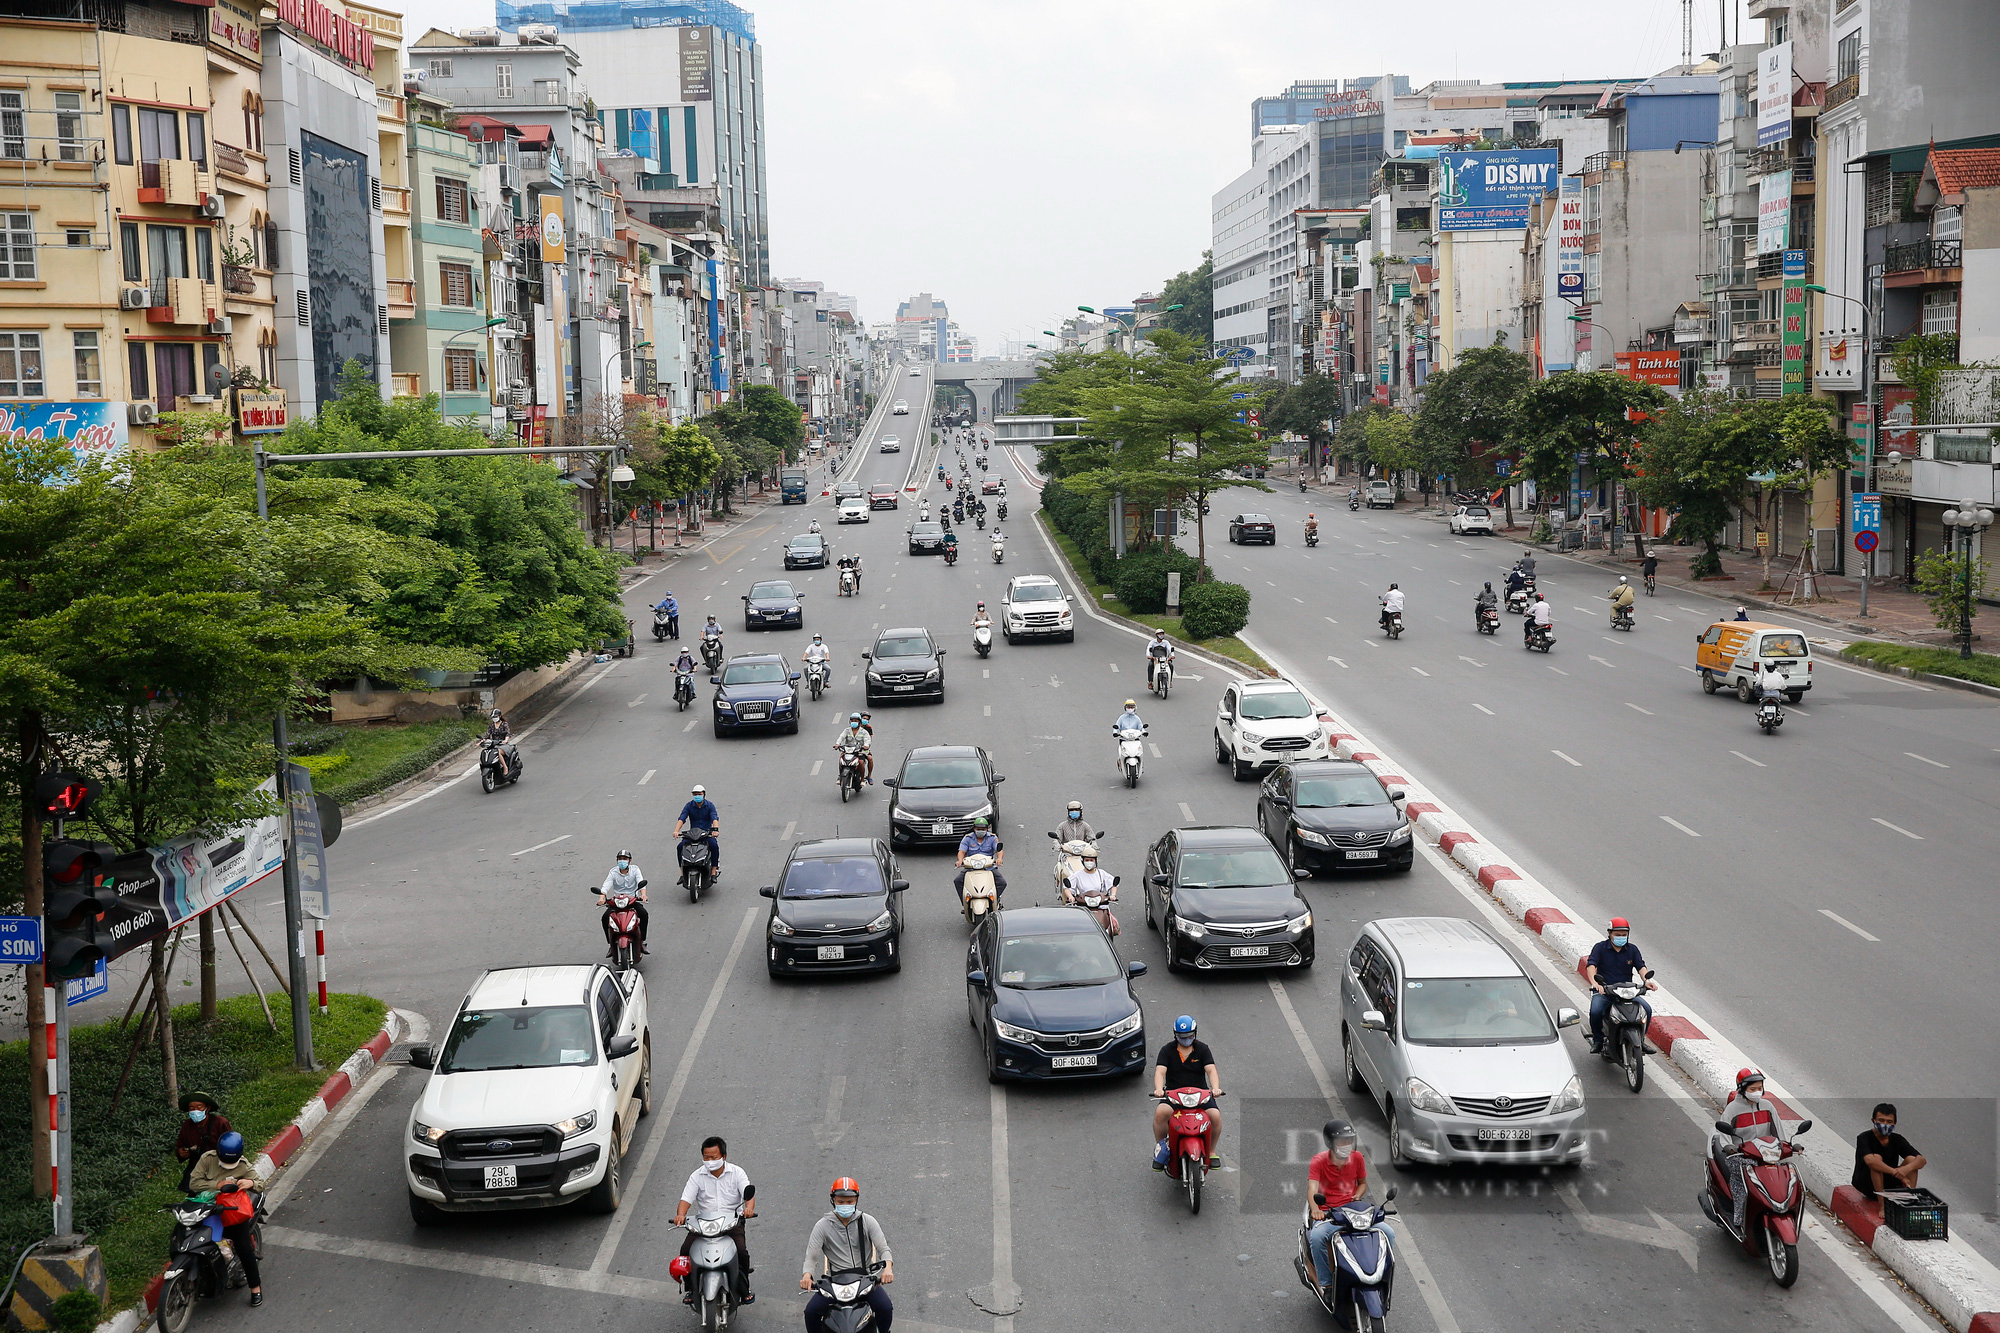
column 577, row 1124
column 1317, row 839
column 1571, row 1097
column 1192, row 929
column 722, row 707
column 1400, row 836
column 1300, row 922
column 778, row 927
column 423, row 1133
column 1125, row 1027
column 1012, row 1033
column 935, row 673
column 875, row 676
column 882, row 922
column 906, row 816
column 788, row 701
column 1250, row 738
column 986, row 810
column 1424, row 1097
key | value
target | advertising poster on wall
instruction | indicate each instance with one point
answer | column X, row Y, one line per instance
column 1569, row 234
column 1774, row 94
column 1774, row 212
column 697, row 68
column 90, row 429
column 1492, row 191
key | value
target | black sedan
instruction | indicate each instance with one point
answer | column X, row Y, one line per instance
column 837, row 907
column 1049, row 998
column 755, row 692
column 1328, row 814
column 905, row 664
column 806, row 551
column 1247, row 528
column 939, row 792
column 773, row 604
column 927, row 537
column 1223, row 898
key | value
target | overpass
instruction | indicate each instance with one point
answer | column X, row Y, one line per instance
column 995, row 386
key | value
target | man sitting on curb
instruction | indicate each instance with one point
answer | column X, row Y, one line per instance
column 1884, row 1159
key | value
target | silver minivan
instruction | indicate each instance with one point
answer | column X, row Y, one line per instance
column 1439, row 1023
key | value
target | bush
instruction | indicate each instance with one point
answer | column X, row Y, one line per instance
column 1141, row 577
column 321, row 766
column 1211, row 610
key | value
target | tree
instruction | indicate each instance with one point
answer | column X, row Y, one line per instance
column 1193, row 292
column 1467, row 417
column 1309, row 408
column 1060, row 383
column 775, row 419
column 1583, row 420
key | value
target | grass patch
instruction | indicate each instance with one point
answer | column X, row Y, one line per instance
column 1227, row 645
column 365, row 760
column 1981, row 667
column 125, row 1169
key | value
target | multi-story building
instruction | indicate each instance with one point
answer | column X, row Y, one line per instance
column 922, row 327
column 714, row 280
column 247, row 243
column 510, row 254
column 443, row 347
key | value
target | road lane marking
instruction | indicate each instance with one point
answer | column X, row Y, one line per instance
column 1300, row 600
column 1857, row 671
column 1920, row 759
column 649, row 776
column 1558, row 670
column 1668, row 619
column 538, row 846
column 985, row 673
column 690, row 725
column 1371, row 643
column 1484, row 709
column 1595, row 658
column 1421, row 672
column 1113, row 666
column 1898, row 828
column 1635, row 708
column 1156, row 749
column 1693, row 611
column 786, row 836
column 1584, row 609
column 1454, row 583
column 636, row 702
column 817, row 765
column 989, row 711
column 1002, row 1297
column 1186, row 813
column 1682, row 827
column 663, row 1120
column 1748, row 760
column 1342, row 665
column 1463, row 658
column 1565, row 758
column 1841, row 920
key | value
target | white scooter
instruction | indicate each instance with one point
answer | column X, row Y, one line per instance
column 979, row 897
column 847, row 583
column 1132, row 752
column 982, row 636
column 1771, row 693
column 1163, row 676
column 1097, row 901
column 1069, row 858
column 711, row 1263
column 999, row 548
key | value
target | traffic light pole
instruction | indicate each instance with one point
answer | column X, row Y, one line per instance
column 56, row 1013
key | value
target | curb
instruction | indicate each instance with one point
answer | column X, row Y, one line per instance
column 1960, row 1284
column 286, row 1144
column 1928, row 678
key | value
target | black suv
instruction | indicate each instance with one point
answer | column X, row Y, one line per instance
column 905, row 664
column 1327, row 814
column 939, row 791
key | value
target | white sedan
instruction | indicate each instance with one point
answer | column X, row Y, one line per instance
column 854, row 509
column 1468, row 519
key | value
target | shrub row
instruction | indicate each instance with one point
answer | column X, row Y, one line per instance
column 407, row 767
column 1208, row 609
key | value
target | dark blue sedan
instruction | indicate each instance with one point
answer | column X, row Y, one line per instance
column 773, row 604
column 1049, row 998
column 756, row 692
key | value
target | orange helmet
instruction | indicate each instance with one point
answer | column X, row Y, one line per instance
column 845, row 1185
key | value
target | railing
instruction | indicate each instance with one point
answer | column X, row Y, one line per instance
column 407, row 385
column 1773, row 266
column 239, row 281
column 1754, row 331
column 391, row 108
column 396, row 199
column 1843, row 90
column 403, row 291
column 1804, row 170
column 1922, row 255
column 228, row 157
column 1602, row 162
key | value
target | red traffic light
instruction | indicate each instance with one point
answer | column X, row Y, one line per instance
column 66, row 862
column 66, row 795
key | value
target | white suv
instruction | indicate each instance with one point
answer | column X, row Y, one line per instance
column 1035, row 607
column 1263, row 723
column 534, row 1095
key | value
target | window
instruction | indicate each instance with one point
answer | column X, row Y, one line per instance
column 1946, row 224
column 267, row 355
column 166, row 251
column 204, row 254
column 21, row 366
column 121, row 133
column 159, row 134
column 1847, row 56
column 503, row 79
column 198, row 138
column 128, row 247
column 461, row 371
column 451, row 200
column 1941, row 311
column 13, row 124
column 173, row 373
column 69, row 126
column 270, row 244
column 17, row 246
column 135, row 370
column 549, row 91
column 211, row 367
column 253, row 122
column 441, row 69
column 77, row 236
column 455, row 284
column 89, row 368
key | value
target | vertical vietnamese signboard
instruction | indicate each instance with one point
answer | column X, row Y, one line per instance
column 1774, row 94
column 697, row 66
column 1795, row 322
column 1774, row 212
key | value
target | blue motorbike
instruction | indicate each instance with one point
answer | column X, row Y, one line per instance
column 1363, row 1263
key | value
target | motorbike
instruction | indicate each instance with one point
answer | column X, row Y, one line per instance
column 851, row 1312
column 1541, row 638
column 683, row 689
column 1353, row 504
column 1362, row 1260
column 625, row 946
column 1625, row 1029
column 1392, row 623
column 1487, row 617
column 710, row 1267
column 1769, row 715
column 1621, row 617
column 979, row 517
column 945, row 519
column 660, row 626
column 1098, row 903
column 1312, row 537
column 1776, row 1206
column 1187, row 1143
column 958, row 513
column 816, row 677
column 847, row 583
column 1163, row 676
column 981, row 895
column 1132, row 753
column 692, row 854
column 951, row 553
column 982, row 636
column 1001, row 509
column 1517, row 601
column 1069, row 856
column 201, row 1262
column 499, row 763
column 711, row 653
column 849, row 773
column 999, row 550
column 1302, row 485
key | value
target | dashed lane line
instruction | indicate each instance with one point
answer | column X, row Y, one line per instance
column 1838, row 919
column 1682, row 827
column 1898, row 828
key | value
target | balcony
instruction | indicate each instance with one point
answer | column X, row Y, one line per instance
column 180, row 301
column 402, row 298
column 173, row 181
column 228, row 157
column 1773, row 266
column 1754, row 333
column 1843, row 90
column 238, row 281
column 1603, row 162
column 396, row 205
column 393, row 110
column 406, row 385
column 1923, row 263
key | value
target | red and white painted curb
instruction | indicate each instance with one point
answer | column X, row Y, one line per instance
column 1961, row 1284
column 285, row 1146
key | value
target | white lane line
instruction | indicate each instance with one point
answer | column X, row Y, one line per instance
column 1003, row 1297
column 1463, row 658
column 1269, row 584
column 1336, row 661
column 1648, row 712
column 820, row 763
column 690, row 725
column 786, row 836
column 1484, row 709
column 538, row 846
column 1421, row 672
column 1669, row 620
column 1595, row 658
column 1114, row 668
column 1682, row 827
column 1302, row 601
column 607, row 1249
column 852, row 679
column 1693, row 611
column 636, row 702
column 1841, row 920
column 989, row 713
column 649, row 776
column 1186, row 813
column 1456, row 584
column 1330, row 620
column 1898, row 828
column 1748, row 760
column 1566, row 759
column 1920, row 759
column 985, row 673
column 1857, row 671
column 1156, row 749
column 1584, row 609
column 1800, row 711
column 1558, row 670
column 1371, row 643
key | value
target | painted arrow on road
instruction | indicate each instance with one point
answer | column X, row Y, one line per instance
column 1595, row 658
column 1463, row 658
column 1662, row 1235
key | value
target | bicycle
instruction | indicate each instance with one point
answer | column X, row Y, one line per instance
column 1649, row 585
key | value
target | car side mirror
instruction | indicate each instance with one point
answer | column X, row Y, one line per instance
column 795, row 675
column 976, row 977
column 715, row 680
column 768, row 891
column 940, row 652
column 1567, row 1017
column 1397, row 793
column 1302, row 873
column 891, row 782
column 867, row 657
column 1372, row 1020
column 746, row 597
column 620, row 1046
column 1135, row 968
column 999, row 777
column 1162, row 880
column 899, row 885
column 797, row 597
column 422, row 1056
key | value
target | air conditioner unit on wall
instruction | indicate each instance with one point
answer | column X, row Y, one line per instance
column 134, row 298
column 211, row 206
column 142, row 414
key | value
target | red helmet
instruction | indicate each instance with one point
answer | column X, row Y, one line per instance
column 1747, row 1075
column 679, row 1268
column 846, row 1185
column 1620, row 923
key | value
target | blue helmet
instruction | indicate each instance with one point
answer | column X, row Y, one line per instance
column 1184, row 1026
column 229, row 1147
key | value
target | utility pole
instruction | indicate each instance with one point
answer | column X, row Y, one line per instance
column 32, row 905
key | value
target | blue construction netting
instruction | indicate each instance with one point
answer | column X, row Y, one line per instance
column 611, row 15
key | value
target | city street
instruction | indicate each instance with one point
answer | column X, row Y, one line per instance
column 1041, row 1198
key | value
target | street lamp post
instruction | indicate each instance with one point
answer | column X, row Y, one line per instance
column 465, row 333
column 1867, row 397
column 611, row 426
column 1968, row 519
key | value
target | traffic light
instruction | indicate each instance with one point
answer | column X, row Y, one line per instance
column 66, row 795
column 73, row 904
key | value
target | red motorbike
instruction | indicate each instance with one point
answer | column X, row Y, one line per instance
column 624, row 931
column 1776, row 1202
column 1187, row 1139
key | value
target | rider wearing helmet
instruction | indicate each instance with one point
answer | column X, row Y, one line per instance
column 1613, row 961
column 847, row 1240
column 1621, row 596
column 1129, row 719
column 223, row 1168
column 1075, row 827
column 1312, row 524
column 1092, row 880
column 817, row 653
column 1486, row 597
column 1185, row 1062
column 673, row 610
column 857, row 736
column 1336, row 1176
column 1751, row 1115
column 624, row 878
column 1159, row 650
column 1392, row 603
column 981, row 841
column 700, row 814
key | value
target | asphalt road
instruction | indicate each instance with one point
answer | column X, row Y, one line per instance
column 984, row 1192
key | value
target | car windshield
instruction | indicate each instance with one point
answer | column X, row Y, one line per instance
column 1474, row 1011
column 833, row 877
column 1232, row 868
column 960, row 772
column 754, row 673
column 926, row 529
column 1264, row 704
column 809, row 540
column 1038, row 592
column 763, row 591
column 528, row 1037
column 1049, row 962
column 1784, row 645
column 1347, row 789
column 914, row 646
column 1256, row 518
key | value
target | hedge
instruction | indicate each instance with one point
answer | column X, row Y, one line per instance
column 1141, row 577
column 408, row 766
column 1211, row 610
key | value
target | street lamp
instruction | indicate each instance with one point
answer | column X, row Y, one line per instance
column 466, row 333
column 1868, row 397
column 1590, row 323
column 1969, row 519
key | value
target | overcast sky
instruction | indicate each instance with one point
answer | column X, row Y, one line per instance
column 1019, row 158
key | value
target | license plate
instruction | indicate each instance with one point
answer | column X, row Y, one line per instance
column 1504, row 1136
column 903, row 687
column 502, row 1178
column 1249, row 951
column 941, row 828
column 1072, row 1062
column 1364, row 856
column 832, row 953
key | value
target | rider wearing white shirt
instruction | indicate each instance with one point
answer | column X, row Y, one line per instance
column 717, row 1186
column 817, row 651
column 625, row 877
column 1540, row 614
column 1392, row 603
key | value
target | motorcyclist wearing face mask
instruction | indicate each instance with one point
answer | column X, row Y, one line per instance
column 1075, row 827
column 1486, row 597
column 856, row 736
column 1334, row 1177
column 624, row 878
column 1613, row 960
column 1185, row 1062
column 201, row 1131
column 1090, row 879
column 1751, row 1115
column 843, row 1241
column 717, row 1185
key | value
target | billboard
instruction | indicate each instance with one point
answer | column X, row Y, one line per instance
column 697, row 66
column 554, row 248
column 1492, row 191
column 89, row 428
column 1774, row 94
column 1569, row 238
column 259, row 413
column 1774, row 212
column 1662, row 369
column 1793, row 309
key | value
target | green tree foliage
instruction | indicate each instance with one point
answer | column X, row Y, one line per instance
column 1305, row 409
column 676, row 463
column 1194, row 293
column 1060, row 383
column 1576, row 416
column 1921, row 361
column 1392, row 442
column 1467, row 417
column 1210, row 610
column 1140, row 579
column 1941, row 581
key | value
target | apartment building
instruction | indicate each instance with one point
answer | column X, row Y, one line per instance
column 443, row 346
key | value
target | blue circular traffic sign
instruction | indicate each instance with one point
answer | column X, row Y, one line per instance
column 1866, row 541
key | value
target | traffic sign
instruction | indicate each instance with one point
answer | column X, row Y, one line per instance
column 1866, row 541
column 1865, row 512
column 78, row 989
column 20, row 939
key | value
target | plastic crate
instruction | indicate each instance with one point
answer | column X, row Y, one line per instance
column 1916, row 1214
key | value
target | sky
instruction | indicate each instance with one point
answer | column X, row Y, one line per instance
column 1020, row 158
